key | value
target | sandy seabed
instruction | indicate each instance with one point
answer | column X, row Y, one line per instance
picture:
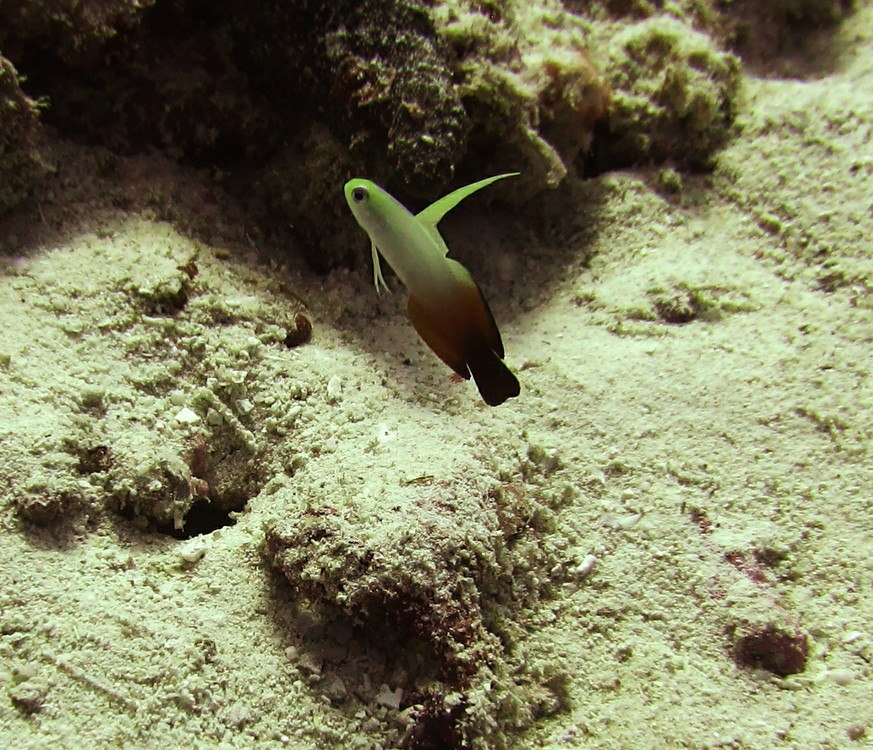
column 695, row 417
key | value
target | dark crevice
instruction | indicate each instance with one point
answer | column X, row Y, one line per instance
column 204, row 517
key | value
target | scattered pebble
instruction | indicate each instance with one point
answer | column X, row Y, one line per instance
column 388, row 697
column 29, row 696
column 857, row 731
column 627, row 522
column 187, row 416
column 309, row 664
column 193, row 549
column 334, row 389
column 841, row 676
column 334, row 688
column 586, row 566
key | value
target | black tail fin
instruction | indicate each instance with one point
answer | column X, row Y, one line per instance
column 494, row 379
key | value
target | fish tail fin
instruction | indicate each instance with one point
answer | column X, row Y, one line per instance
column 495, row 381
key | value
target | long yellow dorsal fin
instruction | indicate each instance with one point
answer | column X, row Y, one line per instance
column 433, row 214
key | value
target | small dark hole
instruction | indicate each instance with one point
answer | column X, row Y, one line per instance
column 204, row 517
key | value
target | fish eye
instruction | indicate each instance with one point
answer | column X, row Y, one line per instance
column 360, row 194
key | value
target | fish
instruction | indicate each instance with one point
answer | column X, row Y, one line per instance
column 446, row 305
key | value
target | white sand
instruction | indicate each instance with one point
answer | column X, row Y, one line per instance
column 719, row 470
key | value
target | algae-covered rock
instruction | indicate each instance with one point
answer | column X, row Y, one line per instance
column 404, row 92
column 411, row 90
column 288, row 100
column 300, row 183
column 805, row 12
column 408, row 561
column 21, row 164
column 129, row 76
column 391, row 73
column 432, row 578
column 764, row 33
column 527, row 79
column 674, row 96
column 75, row 31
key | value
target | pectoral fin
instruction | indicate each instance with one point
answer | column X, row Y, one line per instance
column 378, row 278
